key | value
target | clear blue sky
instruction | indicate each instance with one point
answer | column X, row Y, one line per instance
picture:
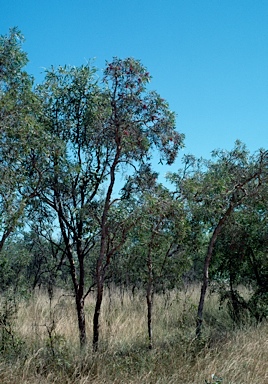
column 209, row 59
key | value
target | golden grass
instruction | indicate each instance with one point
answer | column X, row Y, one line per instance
column 52, row 355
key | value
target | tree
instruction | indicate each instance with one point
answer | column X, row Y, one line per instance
column 213, row 190
column 241, row 258
column 156, row 245
column 102, row 132
column 19, row 132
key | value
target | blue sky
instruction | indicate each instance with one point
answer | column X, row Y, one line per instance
column 209, row 59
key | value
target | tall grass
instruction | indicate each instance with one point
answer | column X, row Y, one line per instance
column 48, row 349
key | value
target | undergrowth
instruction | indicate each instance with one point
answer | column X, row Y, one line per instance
column 48, row 349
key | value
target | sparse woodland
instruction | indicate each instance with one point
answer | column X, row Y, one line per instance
column 107, row 275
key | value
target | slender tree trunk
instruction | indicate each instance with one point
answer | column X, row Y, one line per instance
column 100, row 270
column 207, row 261
column 149, row 299
column 96, row 318
column 79, row 294
column 204, row 286
column 78, row 287
column 80, row 309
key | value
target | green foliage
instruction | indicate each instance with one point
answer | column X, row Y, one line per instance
column 12, row 58
column 241, row 256
column 22, row 150
column 159, row 234
column 13, row 263
column 209, row 186
column 142, row 116
column 258, row 304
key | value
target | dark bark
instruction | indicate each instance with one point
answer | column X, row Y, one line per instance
column 207, row 261
column 104, row 258
column 149, row 295
column 149, row 299
column 100, row 271
column 81, row 321
column 4, row 237
column 78, row 286
column 96, row 318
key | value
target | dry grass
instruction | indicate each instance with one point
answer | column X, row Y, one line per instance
column 50, row 351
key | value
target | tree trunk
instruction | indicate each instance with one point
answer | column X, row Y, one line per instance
column 96, row 319
column 199, row 320
column 81, row 321
column 100, row 270
column 211, row 245
column 149, row 298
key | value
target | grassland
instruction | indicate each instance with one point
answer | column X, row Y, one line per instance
column 42, row 346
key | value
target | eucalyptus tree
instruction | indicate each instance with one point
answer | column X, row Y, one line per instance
column 106, row 133
column 20, row 135
column 156, row 245
column 241, row 258
column 213, row 190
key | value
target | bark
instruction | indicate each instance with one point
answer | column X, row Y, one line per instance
column 207, row 261
column 101, row 265
column 96, row 318
column 149, row 298
column 4, row 237
column 149, row 293
column 78, row 286
column 100, row 270
column 81, row 321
